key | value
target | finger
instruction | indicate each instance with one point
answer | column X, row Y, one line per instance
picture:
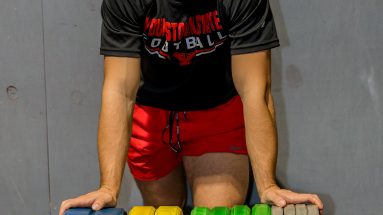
column 65, row 205
column 98, row 204
column 82, row 201
column 273, row 198
column 313, row 199
column 317, row 201
column 295, row 198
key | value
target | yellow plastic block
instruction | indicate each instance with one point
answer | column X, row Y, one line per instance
column 169, row 210
column 142, row 210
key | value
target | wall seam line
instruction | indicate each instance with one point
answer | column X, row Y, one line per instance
column 46, row 108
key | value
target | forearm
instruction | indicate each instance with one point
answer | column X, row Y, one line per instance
column 261, row 142
column 113, row 136
column 261, row 137
column 252, row 78
column 120, row 86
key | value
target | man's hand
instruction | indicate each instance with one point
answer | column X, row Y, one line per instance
column 281, row 197
column 98, row 199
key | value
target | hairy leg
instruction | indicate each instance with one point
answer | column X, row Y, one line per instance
column 168, row 190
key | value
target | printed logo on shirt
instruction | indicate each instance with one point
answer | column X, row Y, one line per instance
column 200, row 34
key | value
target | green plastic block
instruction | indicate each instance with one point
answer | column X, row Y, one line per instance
column 200, row 211
column 220, row 211
column 261, row 209
column 240, row 210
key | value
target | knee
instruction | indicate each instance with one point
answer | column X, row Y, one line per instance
column 219, row 199
column 219, row 202
column 165, row 200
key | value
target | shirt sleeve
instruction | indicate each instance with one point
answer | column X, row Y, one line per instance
column 121, row 31
column 251, row 25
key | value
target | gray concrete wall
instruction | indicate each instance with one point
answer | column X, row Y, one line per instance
column 327, row 84
column 328, row 88
column 24, row 184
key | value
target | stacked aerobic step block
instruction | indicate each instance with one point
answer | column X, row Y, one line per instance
column 89, row 211
column 149, row 210
column 258, row 209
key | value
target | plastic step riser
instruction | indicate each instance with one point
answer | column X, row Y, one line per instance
column 258, row 209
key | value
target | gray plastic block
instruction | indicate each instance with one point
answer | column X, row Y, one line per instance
column 300, row 209
column 289, row 210
column 276, row 210
column 312, row 210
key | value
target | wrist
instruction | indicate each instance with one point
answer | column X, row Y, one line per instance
column 114, row 192
column 264, row 189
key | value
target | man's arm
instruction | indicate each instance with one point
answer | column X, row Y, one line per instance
column 252, row 79
column 121, row 80
column 122, row 76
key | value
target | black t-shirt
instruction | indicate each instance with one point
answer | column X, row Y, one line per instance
column 186, row 46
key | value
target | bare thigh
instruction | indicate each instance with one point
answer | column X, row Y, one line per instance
column 166, row 191
column 218, row 179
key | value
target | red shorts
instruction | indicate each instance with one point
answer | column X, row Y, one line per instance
column 152, row 155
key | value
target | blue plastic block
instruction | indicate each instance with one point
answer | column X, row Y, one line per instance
column 89, row 211
column 111, row 211
column 79, row 211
